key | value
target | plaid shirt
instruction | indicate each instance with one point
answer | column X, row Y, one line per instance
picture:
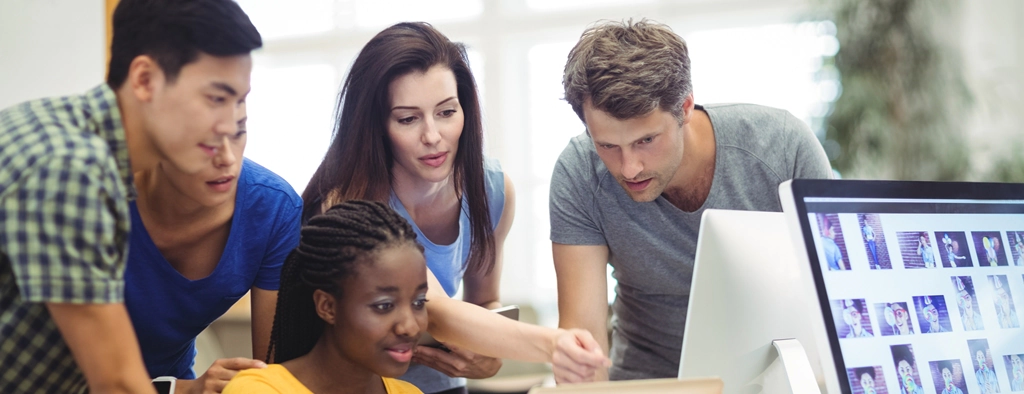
column 65, row 183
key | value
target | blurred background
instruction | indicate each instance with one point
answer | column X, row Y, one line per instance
column 894, row 89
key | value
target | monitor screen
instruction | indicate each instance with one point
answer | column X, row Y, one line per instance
column 920, row 288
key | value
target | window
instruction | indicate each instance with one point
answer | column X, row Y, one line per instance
column 739, row 52
column 290, row 121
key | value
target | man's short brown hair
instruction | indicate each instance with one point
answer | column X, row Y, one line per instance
column 628, row 69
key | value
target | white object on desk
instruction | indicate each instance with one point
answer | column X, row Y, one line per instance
column 748, row 291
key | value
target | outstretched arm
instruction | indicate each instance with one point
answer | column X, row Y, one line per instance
column 583, row 292
column 464, row 325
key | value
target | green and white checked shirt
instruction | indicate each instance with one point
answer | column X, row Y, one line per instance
column 65, row 183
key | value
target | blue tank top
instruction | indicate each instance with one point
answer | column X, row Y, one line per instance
column 448, row 263
column 168, row 310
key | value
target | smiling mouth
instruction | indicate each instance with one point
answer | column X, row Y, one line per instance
column 401, row 353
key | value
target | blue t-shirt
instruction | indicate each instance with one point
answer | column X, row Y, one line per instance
column 168, row 310
column 448, row 263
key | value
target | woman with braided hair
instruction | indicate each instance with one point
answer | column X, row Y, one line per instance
column 409, row 134
column 351, row 306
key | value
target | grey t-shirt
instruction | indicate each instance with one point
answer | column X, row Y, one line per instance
column 652, row 245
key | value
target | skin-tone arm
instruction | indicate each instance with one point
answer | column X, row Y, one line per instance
column 484, row 289
column 103, row 344
column 574, row 354
column 264, row 304
column 583, row 291
column 480, row 289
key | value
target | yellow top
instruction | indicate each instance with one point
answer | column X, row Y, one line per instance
column 277, row 380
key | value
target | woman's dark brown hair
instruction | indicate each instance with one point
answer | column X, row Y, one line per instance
column 358, row 162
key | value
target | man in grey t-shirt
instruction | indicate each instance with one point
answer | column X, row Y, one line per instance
column 630, row 192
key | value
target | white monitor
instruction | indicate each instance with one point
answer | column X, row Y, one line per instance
column 748, row 290
column 917, row 283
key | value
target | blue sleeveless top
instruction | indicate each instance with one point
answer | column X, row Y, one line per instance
column 168, row 310
column 448, row 263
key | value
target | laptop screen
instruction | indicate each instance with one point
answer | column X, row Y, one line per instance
column 920, row 287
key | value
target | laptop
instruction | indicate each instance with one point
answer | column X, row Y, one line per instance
column 917, row 283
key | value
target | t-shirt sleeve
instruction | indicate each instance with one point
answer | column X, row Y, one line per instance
column 284, row 238
column 572, row 194
column 250, row 383
column 810, row 161
column 65, row 233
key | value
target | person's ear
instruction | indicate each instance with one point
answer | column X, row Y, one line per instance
column 144, row 77
column 324, row 304
column 687, row 110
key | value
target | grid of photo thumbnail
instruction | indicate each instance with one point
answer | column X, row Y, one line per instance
column 963, row 305
column 917, row 249
column 853, row 318
column 947, row 376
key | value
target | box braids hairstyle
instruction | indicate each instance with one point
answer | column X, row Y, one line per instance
column 330, row 246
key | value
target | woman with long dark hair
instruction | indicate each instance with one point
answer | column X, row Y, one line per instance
column 409, row 133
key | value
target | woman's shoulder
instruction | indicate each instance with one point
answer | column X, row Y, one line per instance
column 395, row 386
column 494, row 186
column 494, row 176
column 273, row 379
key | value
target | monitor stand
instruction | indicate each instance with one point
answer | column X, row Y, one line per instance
column 791, row 372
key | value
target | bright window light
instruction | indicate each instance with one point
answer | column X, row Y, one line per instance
column 277, row 19
column 290, row 119
column 563, row 5
column 775, row 65
column 378, row 14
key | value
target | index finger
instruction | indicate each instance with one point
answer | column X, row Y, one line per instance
column 239, row 363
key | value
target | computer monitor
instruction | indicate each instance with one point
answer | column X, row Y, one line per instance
column 747, row 290
column 917, row 283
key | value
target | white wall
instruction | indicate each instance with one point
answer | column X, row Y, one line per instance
column 50, row 48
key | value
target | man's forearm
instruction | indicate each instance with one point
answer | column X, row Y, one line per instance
column 103, row 344
column 600, row 333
